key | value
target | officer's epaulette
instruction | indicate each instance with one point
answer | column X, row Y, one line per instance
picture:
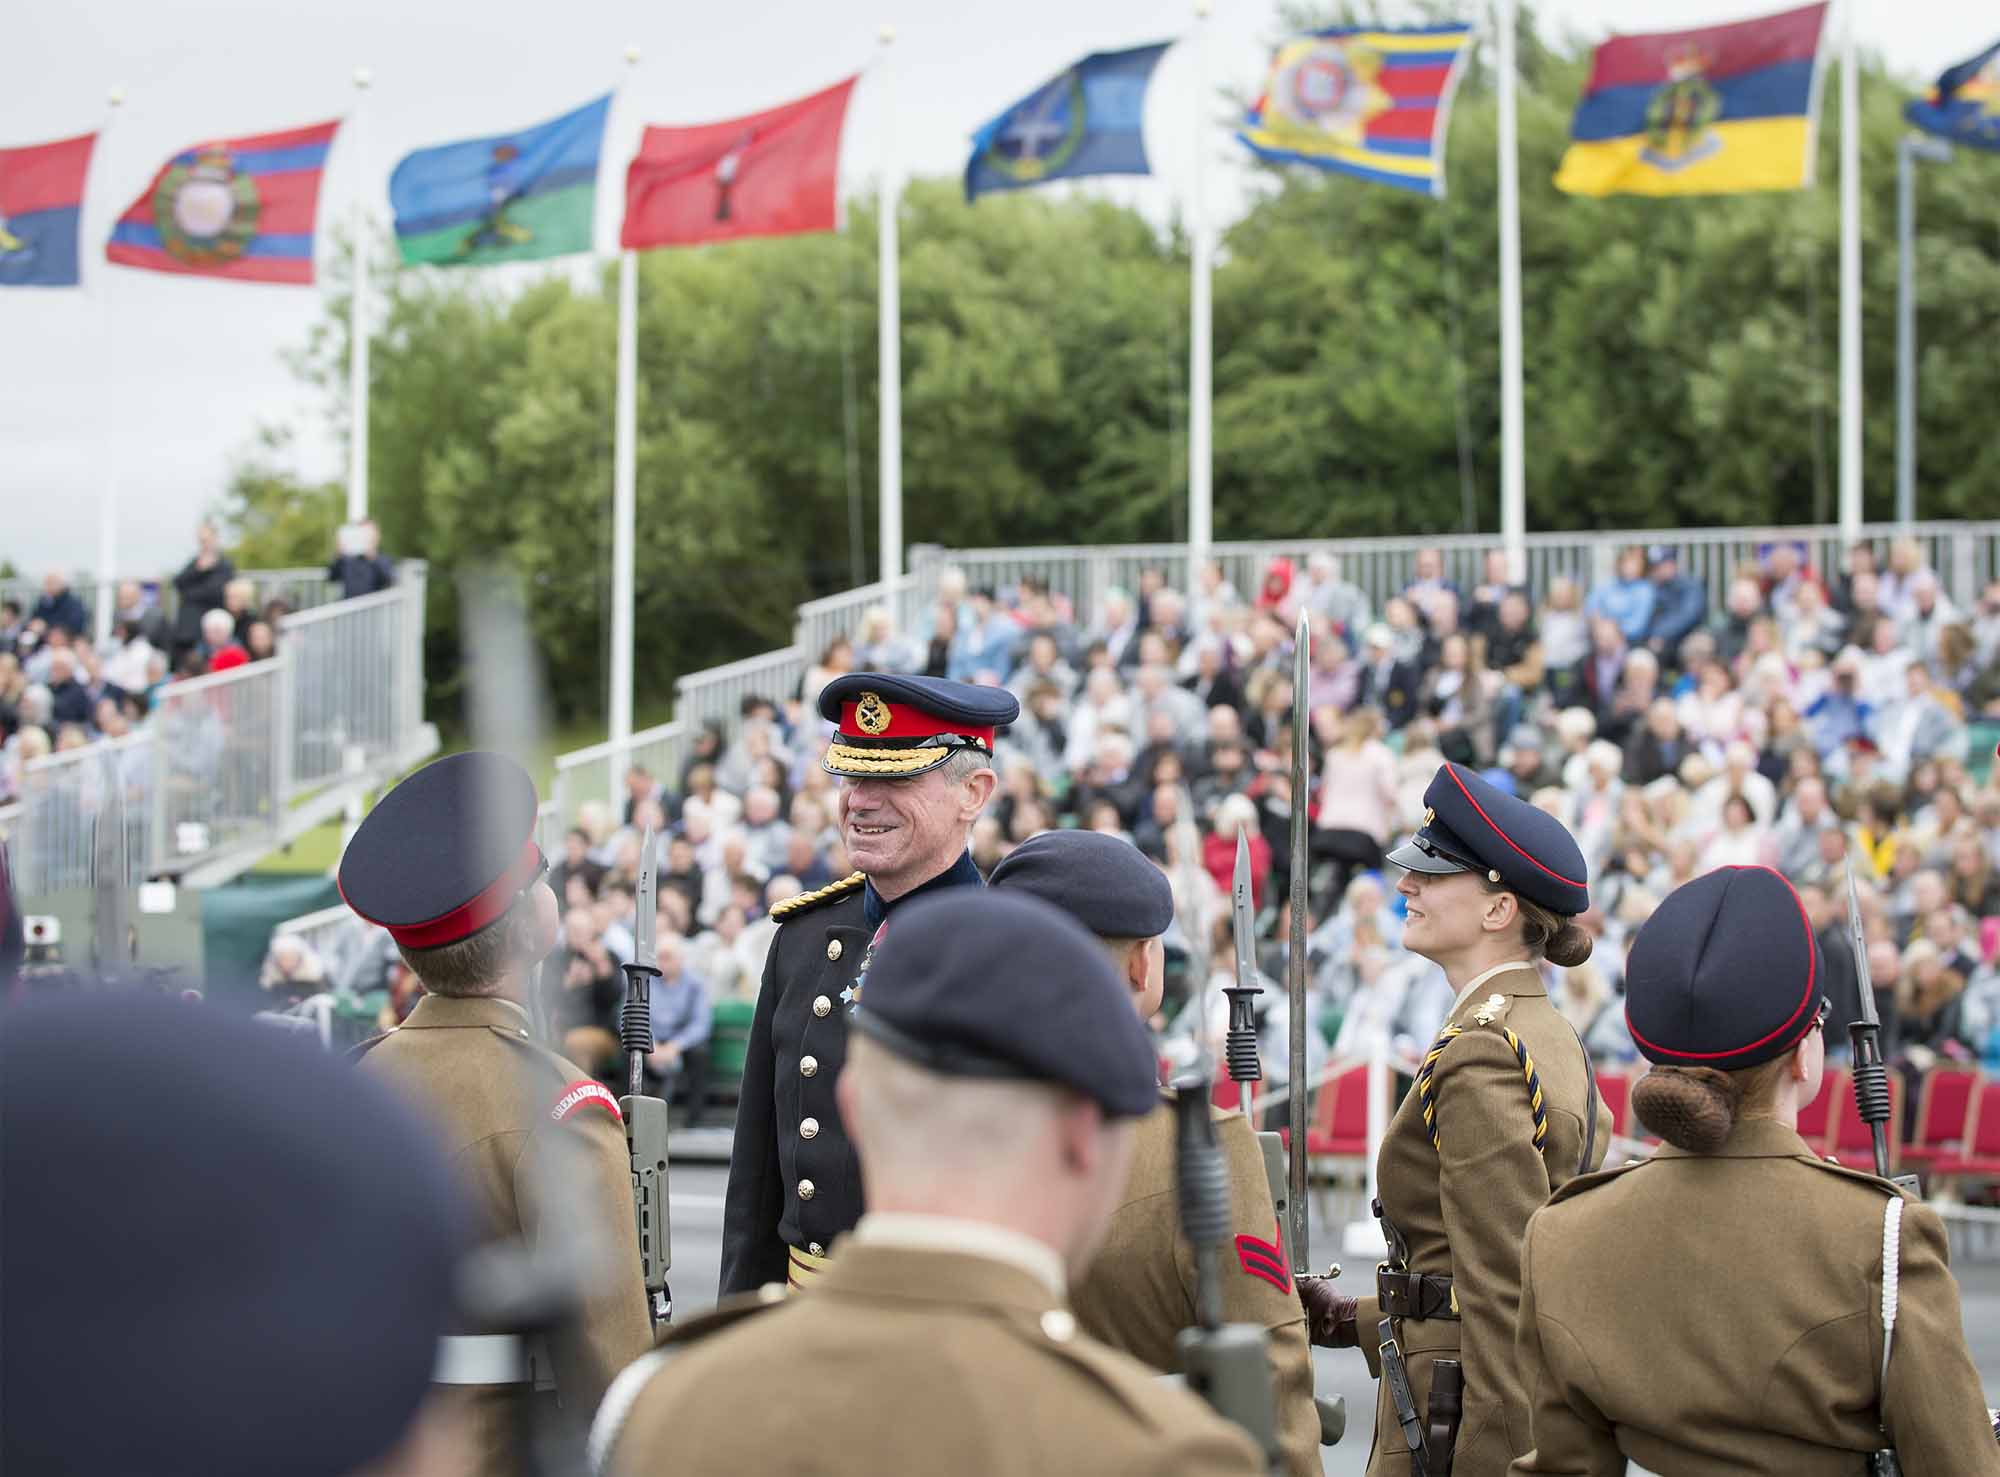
column 361, row 1048
column 1492, row 1010
column 1863, row 1176
column 1604, row 1176
column 791, row 907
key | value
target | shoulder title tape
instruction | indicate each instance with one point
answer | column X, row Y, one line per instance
column 585, row 1094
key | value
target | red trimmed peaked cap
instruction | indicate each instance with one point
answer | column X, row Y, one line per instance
column 1469, row 826
column 446, row 852
column 1725, row 974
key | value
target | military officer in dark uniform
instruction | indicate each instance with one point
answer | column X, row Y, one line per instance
column 1718, row 1307
column 448, row 864
column 994, row 1082
column 1140, row 1292
column 1504, row 1110
column 916, row 755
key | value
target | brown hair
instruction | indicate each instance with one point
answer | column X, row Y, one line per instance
column 1695, row 1108
column 1548, row 934
column 471, row 966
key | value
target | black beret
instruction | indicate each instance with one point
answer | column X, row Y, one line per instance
column 1471, row 826
column 1104, row 882
column 243, row 1246
column 1725, row 974
column 975, row 982
column 895, row 727
column 446, row 852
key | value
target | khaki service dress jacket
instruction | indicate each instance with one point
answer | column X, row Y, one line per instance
column 504, row 1106
column 1139, row 1293
column 1711, row 1314
column 1463, row 1207
column 897, row 1360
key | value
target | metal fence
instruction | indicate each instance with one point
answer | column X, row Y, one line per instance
column 223, row 757
column 357, row 687
column 819, row 621
column 588, row 775
column 301, row 589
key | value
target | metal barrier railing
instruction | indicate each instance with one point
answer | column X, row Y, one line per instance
column 717, row 695
column 223, row 757
column 345, row 717
column 588, row 775
column 819, row 621
column 304, row 588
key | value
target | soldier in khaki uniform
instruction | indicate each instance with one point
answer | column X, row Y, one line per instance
column 446, row 862
column 993, row 1080
column 1504, row 1110
column 1140, row 1292
column 1718, row 1308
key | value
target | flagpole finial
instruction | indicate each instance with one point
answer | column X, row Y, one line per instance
column 886, row 34
column 115, row 97
column 632, row 54
column 362, row 78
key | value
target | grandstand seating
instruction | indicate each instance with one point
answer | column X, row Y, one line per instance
column 1944, row 1114
column 1979, row 1165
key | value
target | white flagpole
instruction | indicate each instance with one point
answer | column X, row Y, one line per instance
column 1850, row 284
column 1201, row 454
column 357, row 320
column 108, row 468
column 1513, row 474
column 624, row 509
column 889, row 331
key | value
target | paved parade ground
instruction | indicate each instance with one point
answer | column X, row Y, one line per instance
column 697, row 1230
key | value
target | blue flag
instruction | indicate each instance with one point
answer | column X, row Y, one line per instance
column 1964, row 106
column 513, row 197
column 1087, row 120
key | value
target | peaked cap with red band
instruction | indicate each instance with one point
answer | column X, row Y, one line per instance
column 894, row 727
column 446, row 852
column 1725, row 974
column 1469, row 826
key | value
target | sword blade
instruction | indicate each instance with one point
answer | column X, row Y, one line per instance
column 1295, row 1072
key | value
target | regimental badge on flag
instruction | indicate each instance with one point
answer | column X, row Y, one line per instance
column 1373, row 104
column 41, row 200
column 513, row 197
column 774, row 173
column 1083, row 121
column 1718, row 111
column 1964, row 106
column 240, row 208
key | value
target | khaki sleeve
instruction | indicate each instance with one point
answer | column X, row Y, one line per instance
column 1933, row 1405
column 1257, row 1288
column 576, row 1178
column 1367, row 1324
column 1571, row 1439
column 1491, row 1178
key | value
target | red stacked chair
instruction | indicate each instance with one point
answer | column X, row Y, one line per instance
column 1981, row 1160
column 1816, row 1116
column 1852, row 1142
column 1338, row 1128
column 1944, row 1114
column 1614, row 1086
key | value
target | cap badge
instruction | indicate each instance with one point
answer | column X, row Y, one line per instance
column 871, row 714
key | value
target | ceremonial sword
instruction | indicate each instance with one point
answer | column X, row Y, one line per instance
column 1296, row 970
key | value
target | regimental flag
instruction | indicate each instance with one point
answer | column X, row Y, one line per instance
column 771, row 174
column 1719, row 111
column 1373, row 104
column 240, row 208
column 1964, row 106
column 41, row 200
column 513, row 197
column 1086, row 120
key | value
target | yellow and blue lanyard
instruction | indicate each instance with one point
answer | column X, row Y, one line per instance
column 1427, row 1091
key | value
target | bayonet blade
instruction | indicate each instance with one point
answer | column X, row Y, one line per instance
column 1857, row 938
column 645, row 944
column 1242, row 915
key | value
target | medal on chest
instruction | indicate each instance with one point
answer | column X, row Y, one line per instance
column 851, row 996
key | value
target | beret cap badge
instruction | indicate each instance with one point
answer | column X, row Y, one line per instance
column 871, row 714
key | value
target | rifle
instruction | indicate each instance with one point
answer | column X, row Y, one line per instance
column 1227, row 1364
column 1296, row 964
column 646, row 1115
column 1871, row 1076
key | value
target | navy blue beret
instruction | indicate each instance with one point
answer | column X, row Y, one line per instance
column 976, row 982
column 242, row 1244
column 446, row 852
column 901, row 726
column 1104, row 882
column 1725, row 974
column 1470, row 826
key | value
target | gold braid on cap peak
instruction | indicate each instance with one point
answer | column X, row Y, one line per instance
column 791, row 905
column 851, row 759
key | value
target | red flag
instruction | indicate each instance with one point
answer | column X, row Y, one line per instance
column 770, row 174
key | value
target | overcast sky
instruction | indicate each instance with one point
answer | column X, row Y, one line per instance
column 146, row 387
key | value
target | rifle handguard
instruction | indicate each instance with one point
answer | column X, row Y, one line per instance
column 1240, row 1045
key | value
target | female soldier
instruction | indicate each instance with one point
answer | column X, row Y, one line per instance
column 1718, row 1307
column 1504, row 1109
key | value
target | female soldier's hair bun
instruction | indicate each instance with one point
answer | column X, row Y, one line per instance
column 1569, row 947
column 1692, row 1108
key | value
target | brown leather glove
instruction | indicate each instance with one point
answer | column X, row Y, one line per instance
column 1330, row 1318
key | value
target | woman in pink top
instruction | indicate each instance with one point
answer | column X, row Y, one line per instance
column 1357, row 797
